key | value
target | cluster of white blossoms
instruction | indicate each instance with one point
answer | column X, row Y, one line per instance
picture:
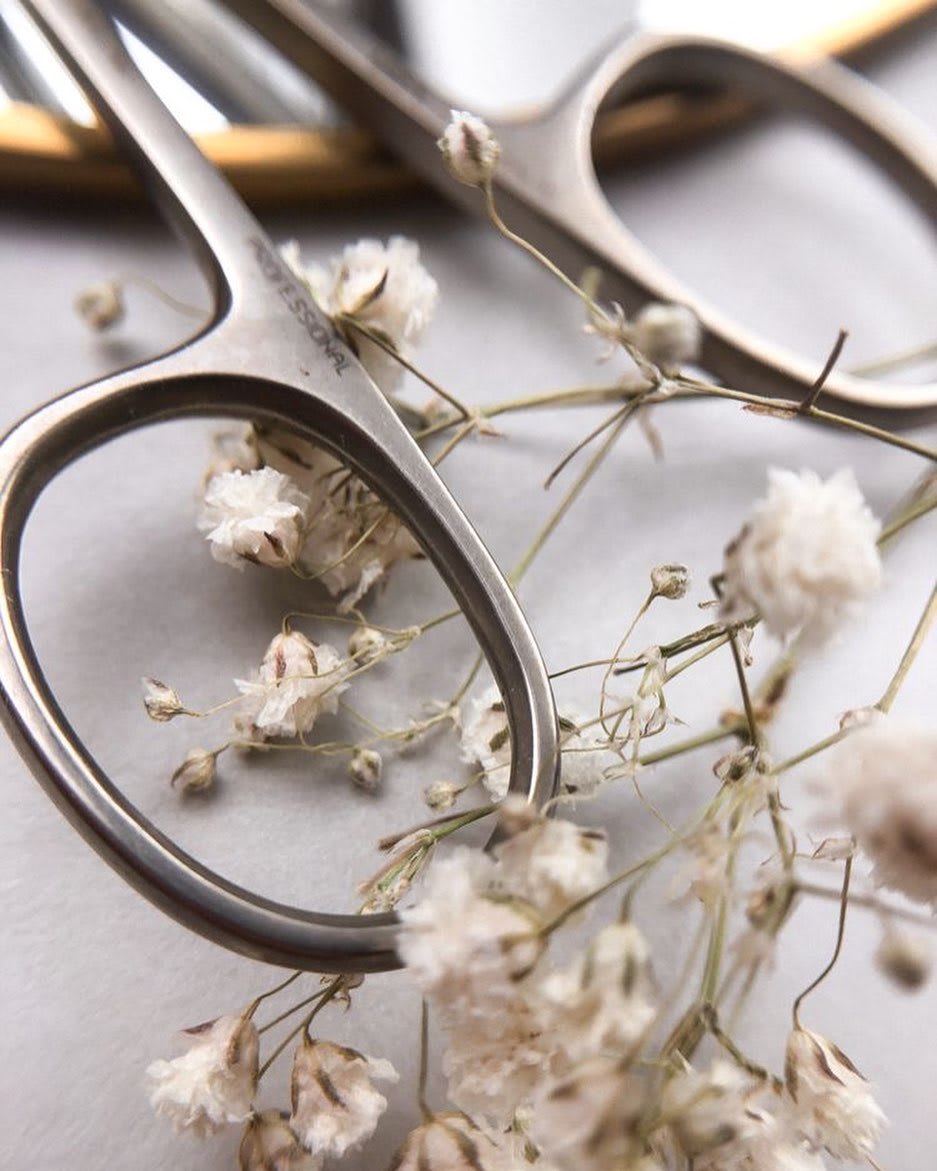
column 381, row 287
column 560, row 1054
column 881, row 785
column 335, row 1106
column 486, row 743
column 806, row 558
column 298, row 681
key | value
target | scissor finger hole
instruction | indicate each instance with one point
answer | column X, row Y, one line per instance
column 779, row 229
column 343, row 716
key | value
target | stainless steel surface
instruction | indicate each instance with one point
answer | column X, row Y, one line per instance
column 267, row 353
column 546, row 186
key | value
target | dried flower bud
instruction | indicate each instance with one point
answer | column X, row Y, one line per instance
column 162, row 703
column 335, row 1106
column 366, row 644
column 101, row 305
column 470, row 149
column 667, row 335
column 196, row 773
column 904, row 960
column 364, row 768
column 447, row 1142
column 516, row 814
column 441, row 795
column 670, row 581
column 858, row 717
column 735, row 766
column 833, row 1106
column 269, row 1144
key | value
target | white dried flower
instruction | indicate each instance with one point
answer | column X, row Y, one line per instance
column 269, row 1144
column 384, row 288
column 807, row 557
column 365, row 768
column 213, row 1082
column 486, row 741
column 552, row 864
column 298, row 681
column 335, row 1105
column 366, row 644
column 833, row 1104
column 256, row 516
column 464, row 948
column 602, row 1001
column 161, row 701
column 441, row 795
column 903, row 959
column 667, row 335
column 197, row 771
column 588, row 1121
column 448, row 1142
column 470, row 149
column 351, row 538
column 707, row 1110
column 670, row 581
column 101, row 305
column 881, row 784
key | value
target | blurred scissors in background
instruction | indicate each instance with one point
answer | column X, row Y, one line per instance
column 268, row 353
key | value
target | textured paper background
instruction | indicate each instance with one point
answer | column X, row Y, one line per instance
column 93, row 980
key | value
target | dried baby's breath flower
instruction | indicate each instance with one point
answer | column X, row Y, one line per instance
column 298, row 681
column 881, row 783
column 161, row 701
column 667, row 335
column 589, row 1119
column 834, row 850
column 351, row 538
column 448, row 1142
column 464, row 948
column 335, row 1105
column 382, row 287
column 269, row 1144
column 833, row 1103
column 441, row 795
column 366, row 644
column 101, row 305
column 486, row 741
column 602, row 1000
column 365, row 768
column 670, row 581
column 707, row 1110
column 213, row 1082
column 470, row 149
column 553, row 863
column 197, row 771
column 906, row 961
column 807, row 557
column 256, row 516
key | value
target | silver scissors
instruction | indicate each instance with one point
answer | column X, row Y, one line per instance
column 268, row 353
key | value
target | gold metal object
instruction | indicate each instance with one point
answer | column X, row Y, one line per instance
column 280, row 165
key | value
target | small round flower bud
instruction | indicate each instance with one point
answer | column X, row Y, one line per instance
column 100, row 306
column 667, row 335
column 470, row 149
column 366, row 644
column 196, row 773
column 904, row 960
column 269, row 1144
column 364, row 768
column 162, row 703
column 441, row 795
column 670, row 581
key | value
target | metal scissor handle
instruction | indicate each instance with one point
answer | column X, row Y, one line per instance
column 546, row 184
column 268, row 354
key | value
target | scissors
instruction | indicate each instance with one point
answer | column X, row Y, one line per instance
column 268, row 353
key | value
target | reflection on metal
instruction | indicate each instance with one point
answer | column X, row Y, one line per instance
column 277, row 138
